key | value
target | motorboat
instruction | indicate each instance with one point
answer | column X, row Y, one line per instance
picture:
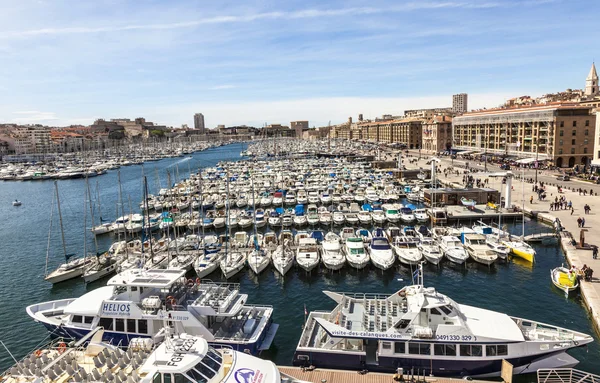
column 453, row 249
column 421, row 215
column 312, row 215
column 391, row 213
column 564, row 279
column 351, row 218
column 419, row 326
column 208, row 262
column 135, row 303
column 325, row 217
column 406, row 215
column 332, row 255
column 380, row 251
column 274, row 218
column 430, row 250
column 339, row 218
column 16, row 203
column 354, row 250
column 364, row 217
column 106, row 265
column 478, row 249
column 307, row 254
column 378, row 216
column 407, row 251
column 364, row 234
column 520, row 248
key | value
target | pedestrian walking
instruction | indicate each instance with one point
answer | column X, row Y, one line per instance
column 572, row 210
column 579, row 222
column 582, row 222
column 595, row 252
column 531, row 200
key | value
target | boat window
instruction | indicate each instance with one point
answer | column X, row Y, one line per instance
column 470, row 350
column 435, row 311
column 167, row 378
column 196, row 376
column 214, row 364
column 131, row 325
column 444, row 349
column 204, row 370
column 106, row 323
column 399, row 348
column 446, row 309
column 77, row 319
column 419, row 348
column 496, row 350
column 386, row 345
column 180, row 378
column 120, row 289
column 142, row 326
column 133, row 288
column 156, row 378
column 88, row 320
column 215, row 355
column 119, row 325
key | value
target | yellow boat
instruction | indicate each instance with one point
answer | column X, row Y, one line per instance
column 564, row 279
column 521, row 250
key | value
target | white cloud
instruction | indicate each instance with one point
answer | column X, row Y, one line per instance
column 34, row 116
column 250, row 17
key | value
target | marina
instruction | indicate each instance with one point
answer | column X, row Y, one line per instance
column 298, row 290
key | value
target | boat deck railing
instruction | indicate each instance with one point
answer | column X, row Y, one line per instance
column 565, row 375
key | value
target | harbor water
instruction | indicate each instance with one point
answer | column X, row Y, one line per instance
column 515, row 288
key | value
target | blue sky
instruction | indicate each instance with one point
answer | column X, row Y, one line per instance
column 256, row 62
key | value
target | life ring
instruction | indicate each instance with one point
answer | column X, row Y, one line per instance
column 190, row 282
column 171, row 300
column 38, row 353
column 62, row 347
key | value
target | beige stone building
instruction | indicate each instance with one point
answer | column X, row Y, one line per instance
column 437, row 134
column 404, row 131
column 561, row 132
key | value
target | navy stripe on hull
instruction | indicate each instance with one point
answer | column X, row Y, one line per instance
column 437, row 367
column 122, row 339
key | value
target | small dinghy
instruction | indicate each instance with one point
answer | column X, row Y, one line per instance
column 564, row 279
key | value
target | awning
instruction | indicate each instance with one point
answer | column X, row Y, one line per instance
column 466, row 152
column 525, row 160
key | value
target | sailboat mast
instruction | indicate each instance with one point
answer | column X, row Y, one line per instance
column 89, row 193
column 62, row 231
column 228, row 231
column 49, row 232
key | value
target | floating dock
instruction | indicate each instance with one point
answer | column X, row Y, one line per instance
column 458, row 214
column 339, row 376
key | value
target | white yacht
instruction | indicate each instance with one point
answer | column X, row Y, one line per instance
column 421, row 215
column 232, row 263
column 208, row 262
column 283, row 259
column 73, row 268
column 419, row 327
column 380, row 251
column 354, row 250
column 406, row 215
column 453, row 249
column 407, row 251
column 307, row 254
column 430, row 250
column 332, row 256
column 135, row 302
column 478, row 249
column 391, row 213
column 258, row 260
column 378, row 217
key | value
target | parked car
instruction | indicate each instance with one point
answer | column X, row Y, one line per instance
column 563, row 178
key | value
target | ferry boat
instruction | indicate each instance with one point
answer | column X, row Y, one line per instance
column 135, row 302
column 419, row 328
column 177, row 358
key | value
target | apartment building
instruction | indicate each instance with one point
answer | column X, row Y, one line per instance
column 437, row 134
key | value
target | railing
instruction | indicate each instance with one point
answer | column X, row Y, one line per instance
column 565, row 375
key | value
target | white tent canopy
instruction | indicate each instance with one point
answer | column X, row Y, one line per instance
column 525, row 160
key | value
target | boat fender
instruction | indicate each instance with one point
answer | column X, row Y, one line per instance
column 402, row 293
column 198, row 281
column 190, row 282
column 62, row 347
column 38, row 353
column 576, row 343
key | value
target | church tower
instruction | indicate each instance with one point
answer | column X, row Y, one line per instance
column 591, row 83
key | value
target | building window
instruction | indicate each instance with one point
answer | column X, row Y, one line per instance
column 470, row 350
column 562, row 132
column 572, row 150
column 584, row 150
column 585, row 142
column 560, row 142
column 419, row 348
column 587, row 132
column 562, row 124
column 573, row 142
column 444, row 349
column 587, row 123
column 574, row 123
column 496, row 350
column 574, row 132
column 560, row 151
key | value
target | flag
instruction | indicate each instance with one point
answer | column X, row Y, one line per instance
column 415, row 276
